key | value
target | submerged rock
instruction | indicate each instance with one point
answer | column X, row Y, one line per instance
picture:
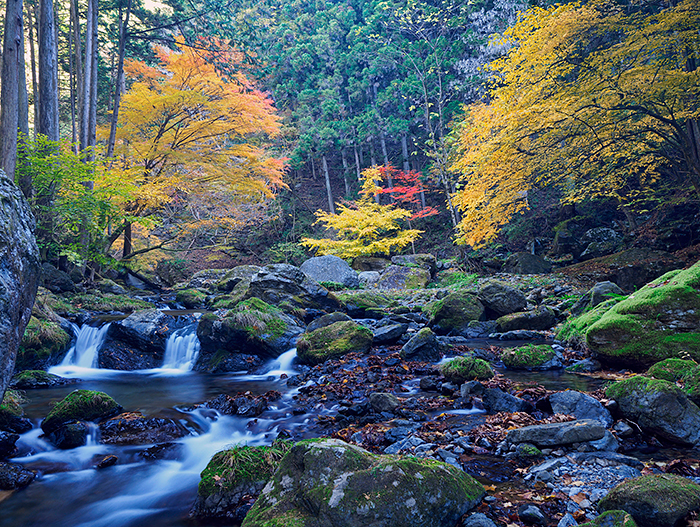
column 323, row 483
column 134, row 429
column 14, row 476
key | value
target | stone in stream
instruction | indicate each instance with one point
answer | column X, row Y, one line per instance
column 557, row 434
column 14, row 476
column 541, row 318
column 43, row 344
column 80, row 405
column 327, row 320
column 658, row 407
column 389, row 334
column 12, row 417
column 496, row 400
column 608, row 519
column 599, row 293
column 581, row 406
column 501, row 298
column 330, row 268
column 532, row 357
column 329, row 482
column 133, row 428
column 656, row 500
column 19, row 274
column 424, row 346
column 7, row 444
column 452, row 314
column 34, row 379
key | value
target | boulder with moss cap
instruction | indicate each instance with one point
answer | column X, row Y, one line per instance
column 80, row 405
column 333, row 341
column 328, row 482
column 452, row 314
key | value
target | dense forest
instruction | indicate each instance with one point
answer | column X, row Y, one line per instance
column 172, row 132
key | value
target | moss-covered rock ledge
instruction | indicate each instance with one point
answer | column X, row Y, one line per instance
column 327, row 482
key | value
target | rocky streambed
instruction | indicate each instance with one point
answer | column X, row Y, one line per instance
column 463, row 390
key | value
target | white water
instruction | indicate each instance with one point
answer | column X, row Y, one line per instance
column 88, row 341
column 276, row 368
column 182, row 349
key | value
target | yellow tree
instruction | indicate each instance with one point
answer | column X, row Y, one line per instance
column 592, row 98
column 365, row 227
column 195, row 132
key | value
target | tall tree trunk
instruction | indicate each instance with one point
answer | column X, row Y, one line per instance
column 9, row 97
column 31, row 24
column 345, row 171
column 77, row 57
column 25, row 181
column 404, row 154
column 126, row 251
column 118, row 82
column 373, row 157
column 331, row 205
column 86, row 84
column 92, row 120
column 48, row 72
column 357, row 164
column 390, row 181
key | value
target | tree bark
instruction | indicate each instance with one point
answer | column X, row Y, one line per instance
column 345, row 172
column 48, row 72
column 118, row 82
column 31, row 21
column 77, row 82
column 357, row 164
column 9, row 97
column 331, row 206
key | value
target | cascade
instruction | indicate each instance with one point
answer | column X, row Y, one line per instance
column 88, row 341
column 182, row 349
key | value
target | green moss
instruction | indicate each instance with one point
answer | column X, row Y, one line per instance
column 227, row 301
column 574, row 330
column 454, row 312
column 368, row 301
column 456, row 280
column 191, row 298
column 524, row 450
column 257, row 318
column 463, row 369
column 12, row 404
column 333, row 341
column 612, row 519
column 230, row 468
column 29, row 378
column 80, row 405
column 526, row 357
column 640, row 384
column 41, row 340
column 107, row 302
column 671, row 369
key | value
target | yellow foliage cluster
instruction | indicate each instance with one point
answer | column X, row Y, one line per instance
column 593, row 99
column 365, row 227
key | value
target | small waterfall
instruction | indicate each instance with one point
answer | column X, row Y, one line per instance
column 88, row 341
column 182, row 349
column 282, row 365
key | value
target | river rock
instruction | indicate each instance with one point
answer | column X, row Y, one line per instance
column 423, row 261
column 205, row 279
column 55, row 280
column 243, row 404
column 368, row 279
column 327, row 482
column 329, row 268
column 14, row 476
column 452, row 314
column 541, row 318
column 7, row 444
column 43, row 344
column 80, row 405
column 19, row 274
column 234, row 277
column 581, row 406
column 496, row 400
column 501, row 298
column 658, row 407
column 424, row 346
column 389, row 334
column 655, row 500
column 607, row 519
column 383, row 402
column 147, row 330
column 597, row 294
column 526, row 263
column 70, row 435
column 34, row 379
column 478, row 520
column 370, row 263
column 659, row 321
column 327, row 320
column 557, row 434
column 532, row 515
column 134, row 429
column 400, row 277
column 12, row 417
column 253, row 327
column 332, row 342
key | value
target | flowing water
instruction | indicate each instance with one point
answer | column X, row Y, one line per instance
column 70, row 492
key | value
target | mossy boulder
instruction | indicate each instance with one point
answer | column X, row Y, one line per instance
column 402, row 277
column 133, row 428
column 573, row 331
column 80, row 405
column 106, row 303
column 541, row 318
column 452, row 314
column 501, row 298
column 612, row 519
column 12, row 414
column 656, row 500
column 32, row 379
column 333, row 341
column 42, row 345
column 425, row 261
column 671, row 370
column 423, row 346
column 367, row 304
column 462, row 369
column 191, row 298
column 252, row 327
column 327, row 482
column 660, row 321
column 237, row 277
column 599, row 293
column 659, row 407
column 231, row 476
column 531, row 357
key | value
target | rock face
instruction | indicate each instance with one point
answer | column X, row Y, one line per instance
column 401, row 277
column 526, row 263
column 333, row 341
column 656, row 322
column 19, row 274
column 284, row 284
column 330, row 268
column 658, row 407
column 452, row 314
column 557, row 434
column 329, row 483
column 581, row 406
column 657, row 500
column 501, row 298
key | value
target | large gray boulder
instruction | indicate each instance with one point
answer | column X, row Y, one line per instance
column 541, row 318
column 19, row 274
column 402, row 277
column 55, row 280
column 557, row 434
column 330, row 268
column 658, row 407
column 329, row 483
column 526, row 263
column 502, row 298
column 453, row 314
column 581, row 406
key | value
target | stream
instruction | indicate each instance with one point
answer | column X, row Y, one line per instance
column 138, row 491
